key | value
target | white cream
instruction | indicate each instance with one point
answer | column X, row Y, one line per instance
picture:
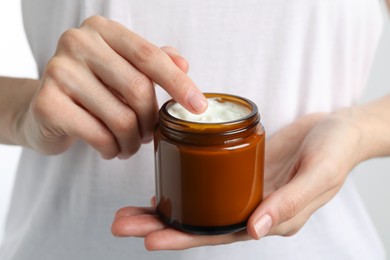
column 218, row 111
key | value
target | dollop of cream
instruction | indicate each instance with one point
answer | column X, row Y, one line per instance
column 218, row 111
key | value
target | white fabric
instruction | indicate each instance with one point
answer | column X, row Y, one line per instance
column 290, row 57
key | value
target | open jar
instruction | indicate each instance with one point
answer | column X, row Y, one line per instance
column 209, row 176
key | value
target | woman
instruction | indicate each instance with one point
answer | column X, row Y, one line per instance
column 303, row 63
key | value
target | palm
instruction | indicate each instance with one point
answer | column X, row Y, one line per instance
column 282, row 157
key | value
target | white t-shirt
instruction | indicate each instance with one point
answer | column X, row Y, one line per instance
column 289, row 57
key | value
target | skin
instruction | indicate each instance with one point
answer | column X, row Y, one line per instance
column 307, row 162
column 103, row 82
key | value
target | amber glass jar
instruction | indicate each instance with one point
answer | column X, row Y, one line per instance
column 209, row 176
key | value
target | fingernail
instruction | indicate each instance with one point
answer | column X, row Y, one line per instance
column 263, row 225
column 197, row 101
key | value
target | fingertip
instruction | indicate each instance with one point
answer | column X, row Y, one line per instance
column 154, row 241
column 261, row 221
column 262, row 226
column 251, row 229
column 114, row 228
column 189, row 95
column 197, row 101
column 167, row 239
column 148, row 245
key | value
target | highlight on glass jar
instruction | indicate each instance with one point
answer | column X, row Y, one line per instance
column 209, row 167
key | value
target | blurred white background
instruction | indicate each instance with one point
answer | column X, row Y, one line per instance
column 372, row 177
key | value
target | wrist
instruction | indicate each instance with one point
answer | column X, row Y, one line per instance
column 373, row 130
column 19, row 119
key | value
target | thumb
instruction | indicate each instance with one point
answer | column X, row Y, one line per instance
column 279, row 213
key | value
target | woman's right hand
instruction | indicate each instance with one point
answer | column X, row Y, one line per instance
column 99, row 87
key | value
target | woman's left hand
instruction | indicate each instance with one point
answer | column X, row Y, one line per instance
column 306, row 164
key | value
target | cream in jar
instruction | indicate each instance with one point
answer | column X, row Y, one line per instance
column 218, row 111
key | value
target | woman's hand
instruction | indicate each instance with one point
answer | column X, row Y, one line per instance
column 306, row 164
column 99, row 87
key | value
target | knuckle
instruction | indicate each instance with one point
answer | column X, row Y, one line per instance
column 333, row 181
column 72, row 41
column 94, row 21
column 43, row 106
column 130, row 149
column 295, row 226
column 55, row 68
column 141, row 87
column 145, row 53
column 58, row 74
column 332, row 176
column 291, row 227
column 104, row 139
column 126, row 120
column 336, row 178
column 289, row 208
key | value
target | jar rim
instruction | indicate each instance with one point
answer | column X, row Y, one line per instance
column 175, row 123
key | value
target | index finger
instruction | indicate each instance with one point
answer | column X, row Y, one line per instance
column 151, row 61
